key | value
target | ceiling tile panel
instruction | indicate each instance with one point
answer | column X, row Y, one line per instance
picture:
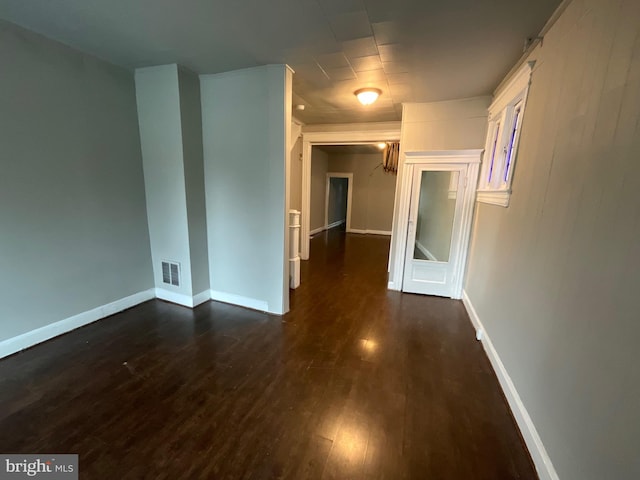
column 393, row 52
column 349, row 26
column 360, row 47
column 377, row 75
column 341, row 73
column 386, row 32
column 342, row 6
column 395, row 67
column 363, row 64
column 332, row 60
column 398, row 78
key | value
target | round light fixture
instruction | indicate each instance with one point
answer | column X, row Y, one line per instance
column 366, row 96
column 381, row 145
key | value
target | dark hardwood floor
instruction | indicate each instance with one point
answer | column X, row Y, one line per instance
column 356, row 382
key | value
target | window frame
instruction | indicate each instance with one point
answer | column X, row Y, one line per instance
column 506, row 115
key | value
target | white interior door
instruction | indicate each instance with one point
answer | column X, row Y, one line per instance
column 435, row 226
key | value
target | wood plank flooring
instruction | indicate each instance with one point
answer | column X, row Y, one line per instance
column 356, row 382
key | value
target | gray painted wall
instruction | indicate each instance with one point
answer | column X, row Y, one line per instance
column 554, row 277
column 373, row 190
column 72, row 207
column 191, row 121
column 244, row 130
column 158, row 100
column 319, row 169
column 451, row 125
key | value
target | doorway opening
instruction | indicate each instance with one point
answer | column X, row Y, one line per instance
column 337, row 210
column 350, row 191
column 314, row 142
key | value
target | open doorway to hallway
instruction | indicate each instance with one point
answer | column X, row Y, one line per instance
column 338, row 204
column 351, row 195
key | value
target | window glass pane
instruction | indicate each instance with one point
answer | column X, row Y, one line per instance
column 517, row 116
column 494, row 148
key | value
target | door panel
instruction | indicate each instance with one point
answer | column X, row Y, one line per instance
column 434, row 225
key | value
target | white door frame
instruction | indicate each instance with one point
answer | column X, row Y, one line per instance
column 468, row 157
column 390, row 133
column 349, row 177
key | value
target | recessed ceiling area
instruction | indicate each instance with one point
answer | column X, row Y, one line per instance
column 412, row 50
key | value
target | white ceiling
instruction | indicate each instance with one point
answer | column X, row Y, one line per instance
column 413, row 50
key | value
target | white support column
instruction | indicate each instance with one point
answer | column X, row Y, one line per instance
column 294, row 249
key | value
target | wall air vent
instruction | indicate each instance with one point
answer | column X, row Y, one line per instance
column 171, row 273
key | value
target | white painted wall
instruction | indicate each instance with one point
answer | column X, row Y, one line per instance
column 554, row 277
column 191, row 123
column 450, row 125
column 73, row 227
column 319, row 169
column 158, row 99
column 244, row 119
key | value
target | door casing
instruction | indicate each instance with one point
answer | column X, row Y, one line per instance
column 471, row 160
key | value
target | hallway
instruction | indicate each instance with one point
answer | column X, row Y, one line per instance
column 356, row 382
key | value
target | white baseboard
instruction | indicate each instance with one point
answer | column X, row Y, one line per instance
column 392, row 286
column 335, row 224
column 173, row 297
column 326, row 227
column 201, row 297
column 182, row 299
column 425, row 251
column 539, row 454
column 369, row 232
column 42, row 334
column 233, row 299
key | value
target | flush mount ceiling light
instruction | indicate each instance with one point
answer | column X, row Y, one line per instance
column 366, row 96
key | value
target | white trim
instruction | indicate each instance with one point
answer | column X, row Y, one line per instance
column 334, row 224
column 443, row 156
column 233, row 299
column 47, row 332
column 412, row 160
column 346, row 137
column 349, row 177
column 425, row 251
column 369, row 232
column 201, row 297
column 326, row 227
column 492, row 197
column 539, row 454
column 512, row 89
column 173, row 297
column 181, row 299
column 503, row 119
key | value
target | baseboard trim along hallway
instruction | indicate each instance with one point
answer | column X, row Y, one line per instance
column 539, row 454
